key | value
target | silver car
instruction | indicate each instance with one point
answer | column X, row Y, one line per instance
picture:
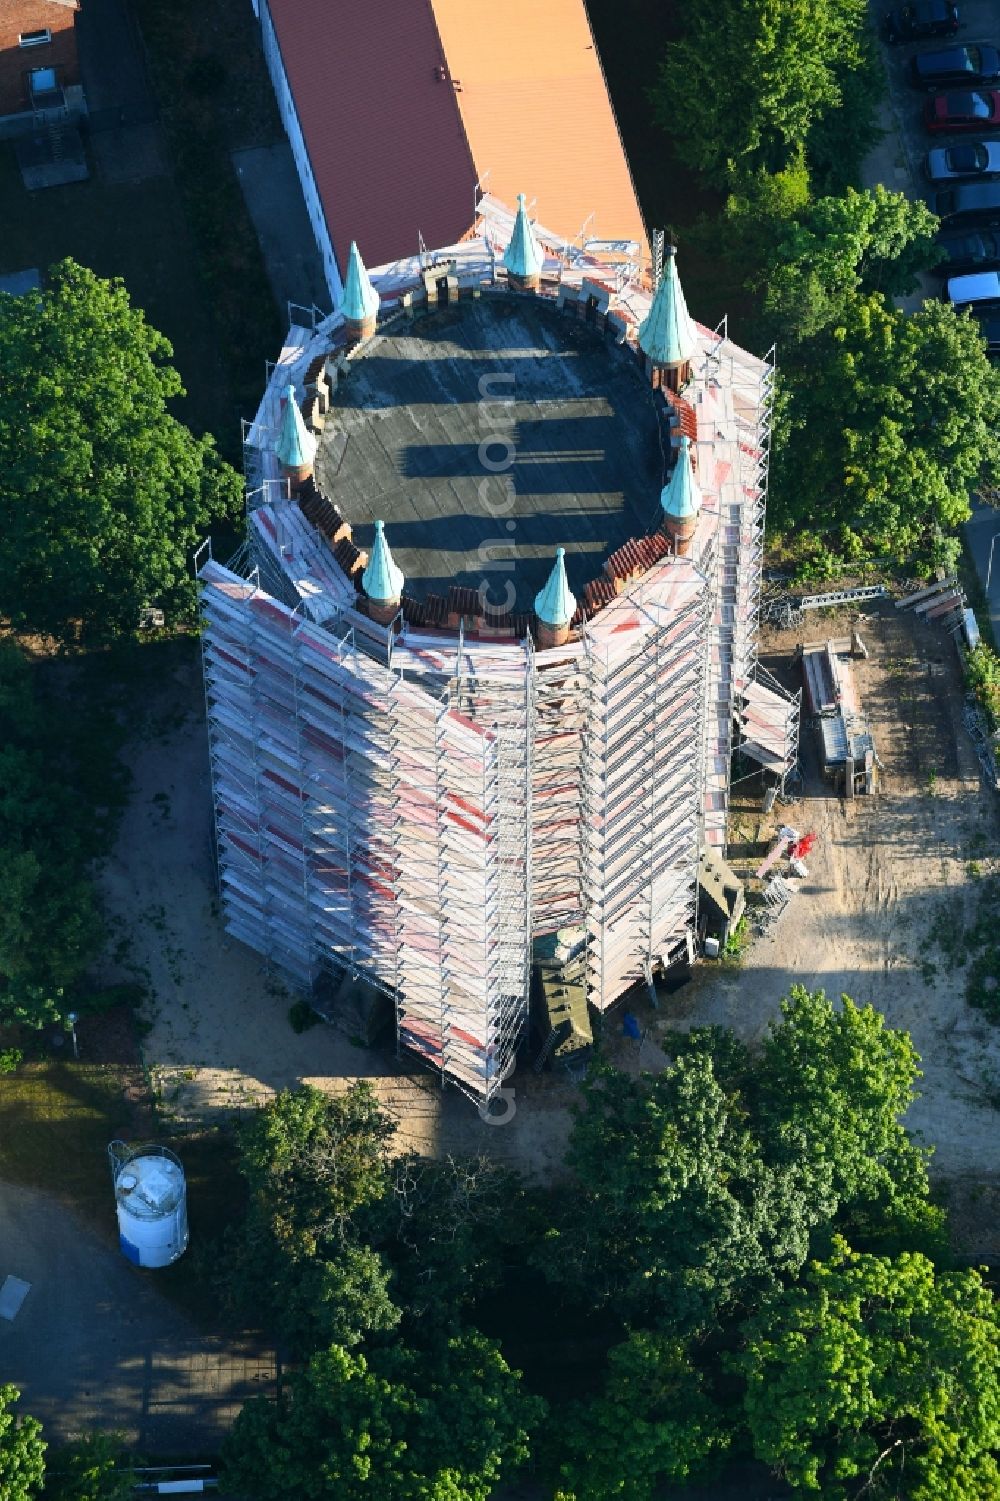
column 979, row 159
column 979, row 289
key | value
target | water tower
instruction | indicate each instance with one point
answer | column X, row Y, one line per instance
column 151, row 1199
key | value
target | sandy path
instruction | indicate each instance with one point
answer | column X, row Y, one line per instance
column 883, row 870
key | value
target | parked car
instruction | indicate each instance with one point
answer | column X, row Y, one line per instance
column 976, row 110
column 910, row 23
column 979, row 63
column 989, row 322
column 979, row 159
column 979, row 287
column 967, row 250
column 972, row 203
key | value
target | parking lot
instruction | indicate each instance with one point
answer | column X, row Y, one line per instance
column 899, row 159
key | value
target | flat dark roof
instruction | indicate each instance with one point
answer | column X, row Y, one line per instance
column 485, row 436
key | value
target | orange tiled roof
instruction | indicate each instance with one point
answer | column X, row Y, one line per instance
column 537, row 114
column 404, row 104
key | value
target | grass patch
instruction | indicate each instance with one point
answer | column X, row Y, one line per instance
column 56, row 1119
column 216, row 1199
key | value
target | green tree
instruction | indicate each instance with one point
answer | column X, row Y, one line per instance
column 749, row 81
column 22, row 1451
column 653, row 1425
column 673, row 1215
column 299, row 1262
column 93, row 1468
column 831, row 1088
column 877, row 1378
column 807, row 259
column 350, row 1427
column 447, row 1227
column 103, row 493
column 892, row 419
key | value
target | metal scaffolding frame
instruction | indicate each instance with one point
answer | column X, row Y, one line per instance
column 641, row 782
column 414, row 808
column 557, row 831
column 768, row 727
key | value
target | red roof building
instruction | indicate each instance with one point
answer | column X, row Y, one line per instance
column 400, row 112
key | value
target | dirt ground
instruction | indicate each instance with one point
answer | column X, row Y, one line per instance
column 883, row 871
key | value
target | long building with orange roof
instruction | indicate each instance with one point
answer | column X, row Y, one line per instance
column 403, row 113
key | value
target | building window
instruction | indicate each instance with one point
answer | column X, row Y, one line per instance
column 43, row 81
column 34, row 38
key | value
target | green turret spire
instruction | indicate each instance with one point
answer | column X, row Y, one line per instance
column 382, row 580
column 296, row 446
column 361, row 301
column 667, row 334
column 681, row 495
column 555, row 605
column 522, row 257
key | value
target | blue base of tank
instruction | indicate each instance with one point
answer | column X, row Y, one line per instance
column 128, row 1250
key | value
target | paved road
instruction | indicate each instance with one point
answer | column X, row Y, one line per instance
column 274, row 199
column 95, row 1344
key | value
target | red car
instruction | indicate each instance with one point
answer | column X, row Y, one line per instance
column 975, row 109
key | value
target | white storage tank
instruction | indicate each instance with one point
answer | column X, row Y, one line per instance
column 151, row 1198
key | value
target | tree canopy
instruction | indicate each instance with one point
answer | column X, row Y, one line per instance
column 392, row 1424
column 653, row 1425
column 807, row 257
column 22, row 1450
column 674, row 1216
column 103, row 493
column 693, row 1266
column 830, row 1091
column 877, row 1378
column 892, row 419
column 92, row 1468
column 297, row 1263
column 698, row 1189
column 747, row 84
column 50, row 930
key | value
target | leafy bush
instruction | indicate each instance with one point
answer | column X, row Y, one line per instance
column 301, row 1017
column 982, row 666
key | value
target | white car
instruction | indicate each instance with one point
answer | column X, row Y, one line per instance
column 979, row 159
column 980, row 287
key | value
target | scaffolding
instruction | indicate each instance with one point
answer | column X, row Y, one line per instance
column 641, row 779
column 769, row 722
column 557, row 831
column 414, row 807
